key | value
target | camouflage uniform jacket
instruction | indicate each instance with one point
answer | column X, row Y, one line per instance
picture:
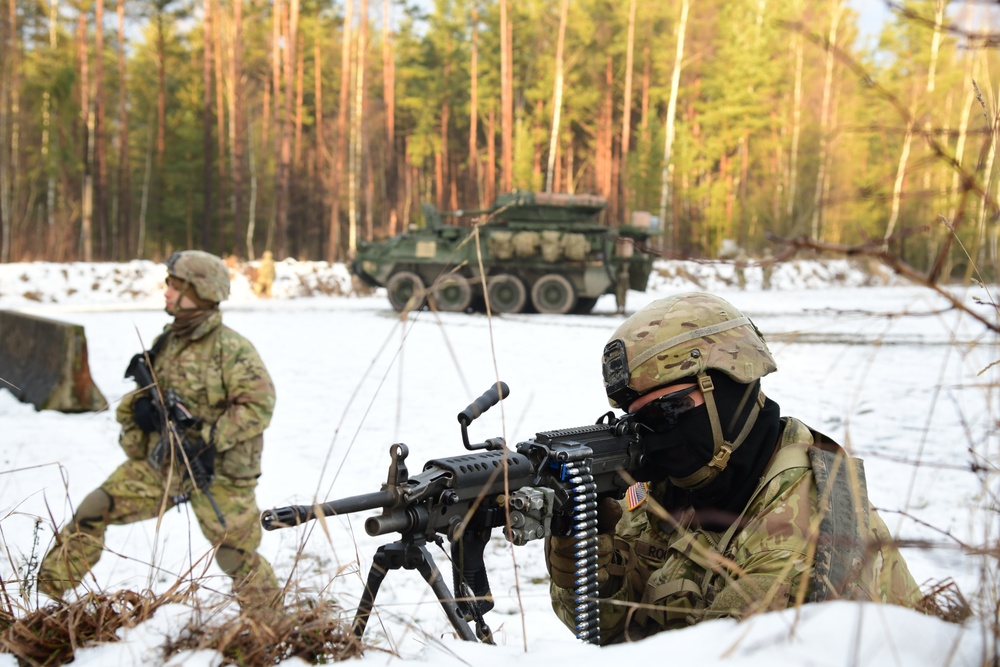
column 219, row 376
column 809, row 533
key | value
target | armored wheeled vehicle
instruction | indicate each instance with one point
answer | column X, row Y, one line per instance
column 530, row 251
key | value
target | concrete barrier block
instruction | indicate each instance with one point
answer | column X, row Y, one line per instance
column 44, row 363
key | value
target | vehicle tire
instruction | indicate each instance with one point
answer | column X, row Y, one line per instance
column 585, row 305
column 451, row 294
column 506, row 293
column 404, row 287
column 553, row 295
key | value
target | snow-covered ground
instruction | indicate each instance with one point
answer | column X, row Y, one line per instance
column 913, row 394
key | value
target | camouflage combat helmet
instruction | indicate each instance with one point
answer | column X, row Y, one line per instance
column 683, row 337
column 208, row 274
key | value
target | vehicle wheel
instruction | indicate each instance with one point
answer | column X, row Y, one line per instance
column 553, row 295
column 404, row 287
column 451, row 294
column 506, row 293
column 585, row 305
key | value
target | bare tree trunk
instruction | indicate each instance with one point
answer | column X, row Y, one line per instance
column 161, row 123
column 357, row 123
column 443, row 176
column 100, row 157
column 284, row 170
column 299, row 74
column 6, row 81
column 557, row 95
column 838, row 10
column 627, row 114
column 220, row 127
column 604, row 135
column 491, row 155
column 237, row 126
column 897, row 188
column 644, row 104
column 793, row 166
column 474, row 110
column 252, row 205
column 333, row 254
column 322, row 155
column 123, row 194
column 144, row 201
column 506, row 101
column 206, row 125
column 669, row 232
column 389, row 99
column 87, row 116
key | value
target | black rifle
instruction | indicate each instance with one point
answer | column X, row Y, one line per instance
column 548, row 485
column 175, row 421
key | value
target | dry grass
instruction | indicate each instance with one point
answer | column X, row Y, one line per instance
column 316, row 635
column 51, row 635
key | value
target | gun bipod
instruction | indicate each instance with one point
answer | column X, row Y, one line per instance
column 409, row 554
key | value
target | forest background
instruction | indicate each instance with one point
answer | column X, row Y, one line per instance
column 130, row 128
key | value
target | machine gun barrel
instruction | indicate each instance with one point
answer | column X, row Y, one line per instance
column 293, row 515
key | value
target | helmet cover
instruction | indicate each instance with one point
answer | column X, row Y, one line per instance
column 207, row 273
column 677, row 338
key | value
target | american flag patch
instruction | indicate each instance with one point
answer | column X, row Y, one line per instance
column 636, row 495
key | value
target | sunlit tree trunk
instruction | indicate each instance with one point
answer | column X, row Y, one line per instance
column 206, row 125
column 824, row 123
column 123, row 194
column 322, row 155
column 557, row 95
column 357, row 123
column 442, row 179
column 389, row 100
column 644, row 103
column 86, row 248
column 491, row 156
column 627, row 113
column 100, row 156
column 237, row 127
column 277, row 19
column 336, row 175
column 669, row 231
column 474, row 109
column 506, row 101
column 6, row 81
column 161, row 124
column 793, row 162
column 285, row 166
column 220, row 125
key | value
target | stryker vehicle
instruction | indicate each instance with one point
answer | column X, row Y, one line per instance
column 540, row 252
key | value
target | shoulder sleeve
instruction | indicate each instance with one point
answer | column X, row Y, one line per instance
column 250, row 393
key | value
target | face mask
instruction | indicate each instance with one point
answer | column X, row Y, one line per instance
column 680, row 450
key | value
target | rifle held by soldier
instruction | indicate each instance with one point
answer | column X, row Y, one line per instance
column 175, row 424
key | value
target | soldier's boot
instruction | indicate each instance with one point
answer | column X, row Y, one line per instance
column 78, row 546
column 254, row 583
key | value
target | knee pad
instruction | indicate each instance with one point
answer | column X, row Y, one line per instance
column 230, row 559
column 94, row 508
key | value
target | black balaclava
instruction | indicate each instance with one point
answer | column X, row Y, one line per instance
column 689, row 446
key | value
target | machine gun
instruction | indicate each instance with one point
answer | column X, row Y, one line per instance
column 175, row 421
column 548, row 485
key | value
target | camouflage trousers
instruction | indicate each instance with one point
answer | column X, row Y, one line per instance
column 136, row 492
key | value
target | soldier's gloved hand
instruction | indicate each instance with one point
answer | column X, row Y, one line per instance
column 146, row 415
column 559, row 550
column 200, row 453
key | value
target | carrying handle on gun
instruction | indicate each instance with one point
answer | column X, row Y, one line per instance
column 489, row 398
